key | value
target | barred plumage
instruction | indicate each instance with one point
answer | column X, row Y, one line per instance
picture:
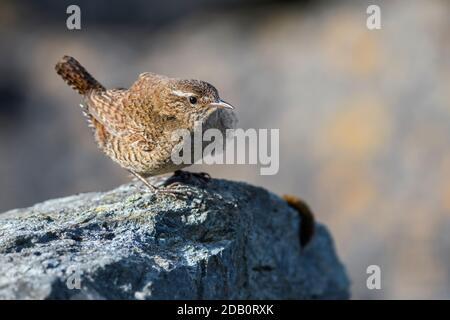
column 134, row 126
column 77, row 76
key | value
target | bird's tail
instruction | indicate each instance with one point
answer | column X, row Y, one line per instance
column 307, row 223
column 76, row 75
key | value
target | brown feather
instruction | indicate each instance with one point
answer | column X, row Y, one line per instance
column 76, row 76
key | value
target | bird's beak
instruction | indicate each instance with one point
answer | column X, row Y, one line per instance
column 221, row 105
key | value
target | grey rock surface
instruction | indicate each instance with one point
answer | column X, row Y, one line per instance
column 228, row 240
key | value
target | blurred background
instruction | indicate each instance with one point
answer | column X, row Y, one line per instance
column 364, row 116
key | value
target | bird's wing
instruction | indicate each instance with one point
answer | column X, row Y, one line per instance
column 107, row 107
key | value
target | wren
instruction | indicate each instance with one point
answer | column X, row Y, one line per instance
column 134, row 126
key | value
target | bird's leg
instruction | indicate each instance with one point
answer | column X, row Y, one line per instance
column 171, row 190
column 144, row 181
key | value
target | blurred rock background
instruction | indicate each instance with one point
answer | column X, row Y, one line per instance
column 364, row 116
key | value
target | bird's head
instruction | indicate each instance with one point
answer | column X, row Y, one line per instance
column 194, row 97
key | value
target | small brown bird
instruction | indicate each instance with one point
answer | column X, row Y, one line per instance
column 134, row 126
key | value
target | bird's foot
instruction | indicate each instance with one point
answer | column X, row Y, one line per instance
column 181, row 182
column 175, row 190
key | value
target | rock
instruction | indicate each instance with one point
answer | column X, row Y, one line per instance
column 227, row 240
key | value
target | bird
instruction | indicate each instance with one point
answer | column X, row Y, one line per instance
column 134, row 126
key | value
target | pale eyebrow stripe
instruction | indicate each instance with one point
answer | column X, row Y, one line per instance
column 182, row 94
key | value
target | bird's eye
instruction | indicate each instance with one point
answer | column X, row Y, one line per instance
column 192, row 99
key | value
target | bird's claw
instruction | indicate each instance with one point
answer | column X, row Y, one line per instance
column 175, row 190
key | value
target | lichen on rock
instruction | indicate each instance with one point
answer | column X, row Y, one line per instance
column 226, row 240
